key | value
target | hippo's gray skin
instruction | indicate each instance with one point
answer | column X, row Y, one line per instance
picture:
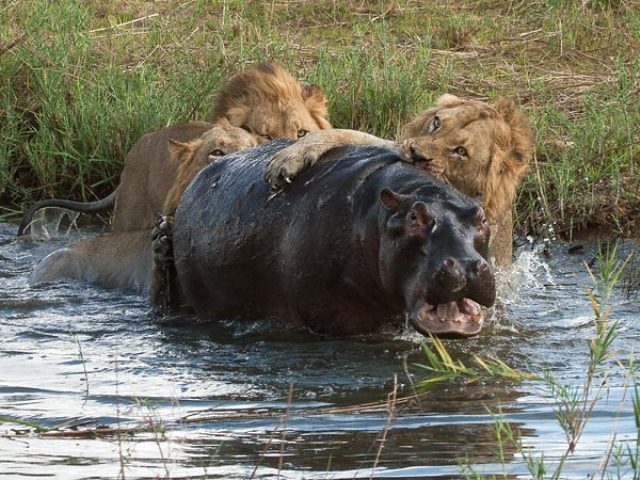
column 354, row 243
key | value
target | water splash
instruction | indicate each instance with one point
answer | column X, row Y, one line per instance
column 47, row 222
column 529, row 271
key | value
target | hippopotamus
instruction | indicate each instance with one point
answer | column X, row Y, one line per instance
column 358, row 241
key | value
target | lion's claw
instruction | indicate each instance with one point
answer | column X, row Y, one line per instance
column 283, row 168
column 162, row 241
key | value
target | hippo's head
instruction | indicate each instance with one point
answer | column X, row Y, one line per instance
column 431, row 258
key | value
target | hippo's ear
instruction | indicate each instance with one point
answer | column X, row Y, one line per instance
column 391, row 200
column 420, row 220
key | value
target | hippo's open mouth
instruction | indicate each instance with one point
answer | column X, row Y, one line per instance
column 459, row 318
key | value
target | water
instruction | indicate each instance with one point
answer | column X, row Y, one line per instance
column 194, row 400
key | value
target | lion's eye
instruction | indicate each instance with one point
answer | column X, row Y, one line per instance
column 302, row 133
column 247, row 128
column 217, row 153
column 435, row 124
column 461, row 151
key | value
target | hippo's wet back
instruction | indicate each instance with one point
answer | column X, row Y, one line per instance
column 355, row 242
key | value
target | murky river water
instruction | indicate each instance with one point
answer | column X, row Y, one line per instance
column 252, row 400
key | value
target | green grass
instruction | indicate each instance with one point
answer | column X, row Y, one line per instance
column 83, row 84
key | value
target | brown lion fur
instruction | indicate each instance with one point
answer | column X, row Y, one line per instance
column 502, row 140
column 153, row 176
column 264, row 100
column 270, row 103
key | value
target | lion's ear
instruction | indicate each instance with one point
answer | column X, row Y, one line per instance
column 237, row 116
column 177, row 150
column 316, row 102
column 224, row 124
column 448, row 100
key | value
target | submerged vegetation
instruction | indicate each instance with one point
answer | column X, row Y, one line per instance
column 81, row 81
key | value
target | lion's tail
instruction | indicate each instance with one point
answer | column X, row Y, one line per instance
column 98, row 206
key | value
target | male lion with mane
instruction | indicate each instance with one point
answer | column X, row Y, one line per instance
column 482, row 149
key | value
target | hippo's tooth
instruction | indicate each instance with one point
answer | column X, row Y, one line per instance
column 287, row 179
column 442, row 311
column 469, row 307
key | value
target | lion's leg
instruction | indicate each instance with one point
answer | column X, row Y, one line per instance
column 164, row 291
column 112, row 260
column 289, row 162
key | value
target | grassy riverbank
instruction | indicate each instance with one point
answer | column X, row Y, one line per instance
column 84, row 80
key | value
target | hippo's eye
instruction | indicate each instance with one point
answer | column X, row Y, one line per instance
column 461, row 151
column 435, row 124
column 216, row 153
column 302, row 133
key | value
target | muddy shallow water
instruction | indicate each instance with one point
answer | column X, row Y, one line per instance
column 216, row 396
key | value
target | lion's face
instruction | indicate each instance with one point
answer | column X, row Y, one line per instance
column 268, row 102
column 191, row 157
column 221, row 140
column 481, row 149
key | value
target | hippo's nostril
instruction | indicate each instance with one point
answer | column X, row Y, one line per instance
column 448, row 263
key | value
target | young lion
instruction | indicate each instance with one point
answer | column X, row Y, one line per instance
column 482, row 149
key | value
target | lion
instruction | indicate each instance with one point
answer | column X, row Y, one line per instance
column 482, row 149
column 268, row 102
column 260, row 103
column 264, row 101
column 124, row 258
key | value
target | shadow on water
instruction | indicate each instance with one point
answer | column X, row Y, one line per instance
column 210, row 400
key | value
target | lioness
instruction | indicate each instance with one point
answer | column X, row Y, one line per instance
column 482, row 149
column 264, row 100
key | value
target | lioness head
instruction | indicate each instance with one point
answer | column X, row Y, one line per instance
column 268, row 102
column 481, row 149
column 191, row 157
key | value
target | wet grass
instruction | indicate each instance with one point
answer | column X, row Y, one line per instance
column 81, row 81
